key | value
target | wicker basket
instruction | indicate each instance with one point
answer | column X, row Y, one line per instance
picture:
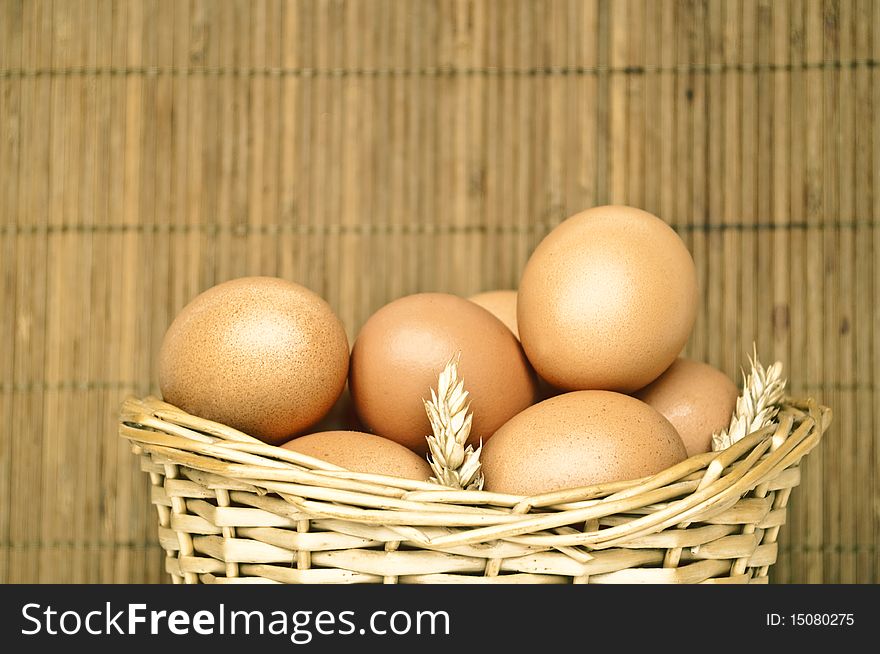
column 234, row 510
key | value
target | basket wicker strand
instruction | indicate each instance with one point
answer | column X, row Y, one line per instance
column 235, row 510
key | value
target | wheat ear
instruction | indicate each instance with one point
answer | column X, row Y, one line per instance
column 449, row 412
column 757, row 406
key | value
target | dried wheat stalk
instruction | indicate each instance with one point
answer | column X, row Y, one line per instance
column 757, row 406
column 449, row 412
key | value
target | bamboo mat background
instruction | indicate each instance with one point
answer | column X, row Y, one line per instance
column 149, row 150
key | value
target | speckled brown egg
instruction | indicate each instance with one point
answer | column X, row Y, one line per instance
column 261, row 354
column 607, row 300
column 501, row 304
column 696, row 398
column 360, row 452
column 403, row 347
column 579, row 439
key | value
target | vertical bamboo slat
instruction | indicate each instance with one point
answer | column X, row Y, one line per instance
column 180, row 290
column 828, row 356
column 869, row 492
column 866, row 252
column 635, row 94
column 373, row 149
column 696, row 99
column 844, row 169
column 652, row 110
column 89, row 423
column 811, row 566
column 733, row 113
column 707, row 106
column 101, row 348
column 664, row 124
column 11, row 29
column 756, row 104
column 796, row 312
column 529, row 102
column 30, row 310
column 130, row 525
column 63, row 246
column 617, row 150
column 589, row 161
column 782, row 241
column 289, row 210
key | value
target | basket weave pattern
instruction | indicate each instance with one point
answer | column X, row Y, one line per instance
column 234, row 510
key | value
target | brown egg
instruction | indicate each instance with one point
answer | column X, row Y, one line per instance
column 579, row 439
column 501, row 304
column 360, row 452
column 696, row 398
column 404, row 346
column 261, row 354
column 607, row 300
column 341, row 417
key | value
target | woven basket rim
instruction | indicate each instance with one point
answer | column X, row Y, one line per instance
column 702, row 485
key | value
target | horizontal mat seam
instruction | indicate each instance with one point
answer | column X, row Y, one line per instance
column 334, row 229
column 434, row 71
